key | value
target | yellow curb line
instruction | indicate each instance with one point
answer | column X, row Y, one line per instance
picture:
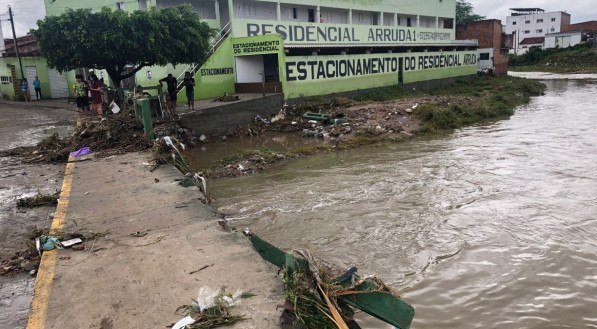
column 47, row 266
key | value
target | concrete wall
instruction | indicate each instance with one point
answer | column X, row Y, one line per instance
column 228, row 117
column 562, row 40
column 583, row 26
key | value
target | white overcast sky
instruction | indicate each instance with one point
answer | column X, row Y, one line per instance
column 27, row 12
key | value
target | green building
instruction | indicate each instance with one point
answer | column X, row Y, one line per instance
column 309, row 47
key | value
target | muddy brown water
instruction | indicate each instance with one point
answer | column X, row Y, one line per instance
column 491, row 226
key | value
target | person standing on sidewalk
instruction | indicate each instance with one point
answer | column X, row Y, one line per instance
column 171, row 83
column 95, row 89
column 81, row 98
column 189, row 83
column 25, row 89
column 37, row 87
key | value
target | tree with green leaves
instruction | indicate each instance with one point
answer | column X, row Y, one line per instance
column 465, row 13
column 122, row 43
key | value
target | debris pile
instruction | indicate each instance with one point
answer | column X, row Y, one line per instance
column 247, row 162
column 227, row 98
column 211, row 309
column 169, row 150
column 320, row 295
column 116, row 134
column 29, row 259
column 38, row 200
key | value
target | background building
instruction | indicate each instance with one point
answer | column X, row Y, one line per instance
column 493, row 43
column 533, row 23
column 312, row 47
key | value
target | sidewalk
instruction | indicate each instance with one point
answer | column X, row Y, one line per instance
column 123, row 281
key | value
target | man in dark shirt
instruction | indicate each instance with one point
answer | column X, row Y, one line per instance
column 171, row 86
column 189, row 83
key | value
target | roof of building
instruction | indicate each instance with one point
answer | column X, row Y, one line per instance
column 527, row 9
column 28, row 46
column 532, row 41
column 558, row 34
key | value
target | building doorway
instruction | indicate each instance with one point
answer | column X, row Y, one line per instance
column 30, row 74
column 258, row 74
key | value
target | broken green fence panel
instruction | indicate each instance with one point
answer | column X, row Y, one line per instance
column 143, row 112
column 316, row 116
column 381, row 305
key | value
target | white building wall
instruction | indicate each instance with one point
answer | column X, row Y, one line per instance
column 254, row 10
column 334, row 15
column 562, row 40
column 302, row 13
column 2, row 45
column 362, row 17
column 426, row 21
column 488, row 54
column 550, row 41
column 388, row 19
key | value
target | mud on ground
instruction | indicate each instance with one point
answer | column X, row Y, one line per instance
column 24, row 125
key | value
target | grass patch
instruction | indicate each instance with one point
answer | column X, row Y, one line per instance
column 472, row 102
column 577, row 59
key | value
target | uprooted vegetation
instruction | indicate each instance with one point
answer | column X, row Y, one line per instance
column 38, row 200
column 115, row 134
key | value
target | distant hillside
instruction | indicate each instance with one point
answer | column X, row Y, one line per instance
column 577, row 59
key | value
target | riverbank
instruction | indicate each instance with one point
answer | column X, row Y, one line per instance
column 386, row 115
column 580, row 59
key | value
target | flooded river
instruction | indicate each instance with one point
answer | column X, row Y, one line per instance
column 490, row 226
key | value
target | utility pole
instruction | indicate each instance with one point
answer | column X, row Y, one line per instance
column 14, row 38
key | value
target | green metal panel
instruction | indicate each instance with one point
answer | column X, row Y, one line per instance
column 381, row 305
column 143, row 112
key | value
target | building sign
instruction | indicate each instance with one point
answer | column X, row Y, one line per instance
column 216, row 71
column 303, row 68
column 311, row 33
column 262, row 44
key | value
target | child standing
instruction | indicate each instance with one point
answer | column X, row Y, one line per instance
column 25, row 90
column 80, row 89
